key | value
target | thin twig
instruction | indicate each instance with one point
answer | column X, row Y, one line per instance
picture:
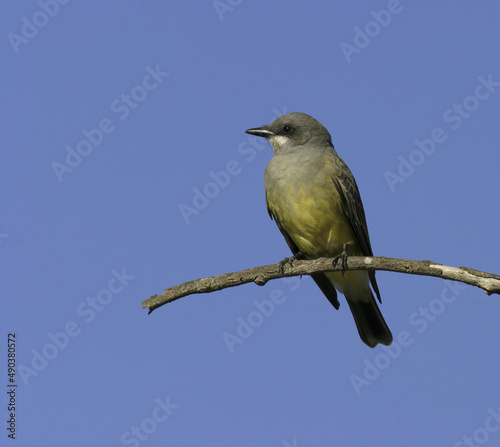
column 489, row 282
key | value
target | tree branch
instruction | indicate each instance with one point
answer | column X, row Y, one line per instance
column 489, row 282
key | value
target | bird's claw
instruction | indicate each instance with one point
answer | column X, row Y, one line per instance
column 283, row 263
column 342, row 258
column 297, row 256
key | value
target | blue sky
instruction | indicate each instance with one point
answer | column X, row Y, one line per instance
column 119, row 117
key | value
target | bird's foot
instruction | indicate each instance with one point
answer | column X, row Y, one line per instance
column 296, row 257
column 342, row 258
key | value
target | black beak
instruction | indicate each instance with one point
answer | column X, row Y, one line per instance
column 260, row 132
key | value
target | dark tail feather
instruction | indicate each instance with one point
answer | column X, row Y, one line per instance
column 327, row 288
column 371, row 325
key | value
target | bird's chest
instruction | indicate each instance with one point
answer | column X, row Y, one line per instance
column 299, row 185
column 301, row 195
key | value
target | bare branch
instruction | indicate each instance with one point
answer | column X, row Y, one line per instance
column 489, row 282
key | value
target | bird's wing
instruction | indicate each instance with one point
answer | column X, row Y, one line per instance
column 320, row 279
column 352, row 206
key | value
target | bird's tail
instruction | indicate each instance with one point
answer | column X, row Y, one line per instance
column 371, row 325
column 355, row 285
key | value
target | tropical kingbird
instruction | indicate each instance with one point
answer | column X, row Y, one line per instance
column 313, row 198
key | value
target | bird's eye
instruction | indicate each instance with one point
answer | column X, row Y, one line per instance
column 287, row 129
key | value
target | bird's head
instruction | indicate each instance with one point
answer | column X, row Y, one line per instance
column 290, row 131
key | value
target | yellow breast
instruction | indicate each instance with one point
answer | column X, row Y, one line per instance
column 308, row 208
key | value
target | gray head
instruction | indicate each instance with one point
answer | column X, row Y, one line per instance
column 293, row 130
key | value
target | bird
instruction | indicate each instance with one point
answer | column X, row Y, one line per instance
column 313, row 197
